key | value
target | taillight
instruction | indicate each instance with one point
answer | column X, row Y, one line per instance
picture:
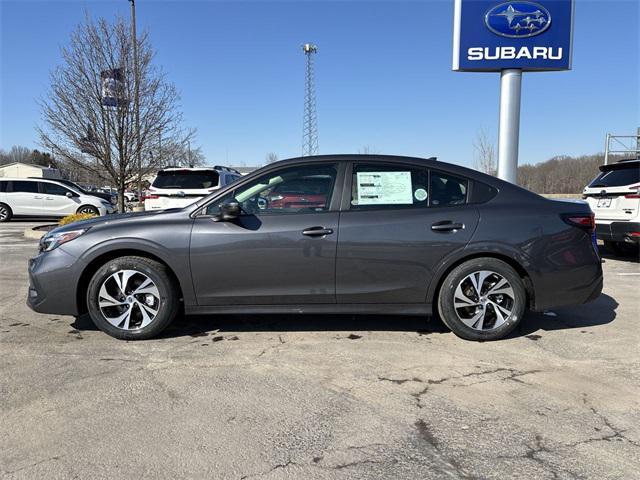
column 584, row 221
column 151, row 197
column 633, row 195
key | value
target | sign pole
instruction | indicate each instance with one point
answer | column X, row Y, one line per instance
column 509, row 128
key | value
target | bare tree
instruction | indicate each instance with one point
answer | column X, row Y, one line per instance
column 485, row 158
column 271, row 157
column 17, row 153
column 367, row 150
column 89, row 116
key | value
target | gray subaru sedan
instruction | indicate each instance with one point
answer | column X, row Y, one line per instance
column 328, row 234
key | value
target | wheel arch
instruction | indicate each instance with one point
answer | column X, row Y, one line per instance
column 434, row 291
column 93, row 266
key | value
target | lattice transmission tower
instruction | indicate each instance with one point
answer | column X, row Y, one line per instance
column 310, row 118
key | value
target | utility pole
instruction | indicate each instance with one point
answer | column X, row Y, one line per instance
column 310, row 118
column 136, row 94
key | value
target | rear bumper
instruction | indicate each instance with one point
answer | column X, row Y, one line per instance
column 618, row 232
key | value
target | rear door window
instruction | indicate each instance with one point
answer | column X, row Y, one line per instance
column 187, row 179
column 617, row 177
column 447, row 190
column 24, row 187
column 3, row 186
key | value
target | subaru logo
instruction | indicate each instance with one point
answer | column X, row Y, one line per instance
column 518, row 19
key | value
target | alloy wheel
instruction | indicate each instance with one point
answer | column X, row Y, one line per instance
column 88, row 210
column 129, row 300
column 4, row 213
column 484, row 300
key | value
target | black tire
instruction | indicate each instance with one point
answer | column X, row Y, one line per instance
column 168, row 300
column 621, row 248
column 461, row 276
column 5, row 212
column 90, row 209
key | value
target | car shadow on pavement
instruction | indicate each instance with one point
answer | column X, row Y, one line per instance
column 599, row 312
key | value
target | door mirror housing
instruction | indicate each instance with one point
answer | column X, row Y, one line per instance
column 229, row 210
column 69, row 195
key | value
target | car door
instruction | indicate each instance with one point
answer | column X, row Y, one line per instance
column 56, row 202
column 271, row 254
column 24, row 198
column 398, row 221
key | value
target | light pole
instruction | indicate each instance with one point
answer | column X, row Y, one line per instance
column 136, row 94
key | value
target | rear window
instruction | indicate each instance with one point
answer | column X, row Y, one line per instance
column 3, row 186
column 187, row 179
column 617, row 177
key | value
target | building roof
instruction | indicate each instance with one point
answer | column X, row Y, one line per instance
column 27, row 165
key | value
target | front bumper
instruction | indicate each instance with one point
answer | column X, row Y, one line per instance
column 53, row 283
column 627, row 232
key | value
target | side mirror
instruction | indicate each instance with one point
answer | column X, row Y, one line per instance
column 229, row 211
column 69, row 195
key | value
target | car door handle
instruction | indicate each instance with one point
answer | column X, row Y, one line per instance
column 446, row 226
column 317, row 231
column 37, row 197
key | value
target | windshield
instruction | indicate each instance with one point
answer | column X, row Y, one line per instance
column 618, row 177
column 186, row 179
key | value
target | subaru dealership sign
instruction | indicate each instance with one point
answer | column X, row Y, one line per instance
column 490, row 36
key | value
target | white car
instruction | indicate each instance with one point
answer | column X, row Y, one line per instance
column 27, row 197
column 177, row 187
column 614, row 197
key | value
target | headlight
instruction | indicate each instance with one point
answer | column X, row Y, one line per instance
column 106, row 204
column 54, row 240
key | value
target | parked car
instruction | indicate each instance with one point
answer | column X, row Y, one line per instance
column 614, row 196
column 130, row 196
column 180, row 186
column 104, row 196
column 22, row 197
column 396, row 235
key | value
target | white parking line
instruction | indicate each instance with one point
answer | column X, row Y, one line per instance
column 624, row 274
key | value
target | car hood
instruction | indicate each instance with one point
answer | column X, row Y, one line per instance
column 116, row 219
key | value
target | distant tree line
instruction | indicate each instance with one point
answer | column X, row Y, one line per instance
column 22, row 154
column 561, row 174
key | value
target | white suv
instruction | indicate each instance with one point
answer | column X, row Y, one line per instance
column 27, row 197
column 614, row 197
column 178, row 187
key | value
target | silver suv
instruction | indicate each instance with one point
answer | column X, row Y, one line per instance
column 614, row 197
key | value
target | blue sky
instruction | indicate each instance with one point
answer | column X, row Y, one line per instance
column 383, row 74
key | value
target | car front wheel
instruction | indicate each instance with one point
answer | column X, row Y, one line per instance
column 88, row 210
column 132, row 298
column 482, row 299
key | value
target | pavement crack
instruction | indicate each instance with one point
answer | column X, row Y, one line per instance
column 53, row 458
column 275, row 467
column 449, row 465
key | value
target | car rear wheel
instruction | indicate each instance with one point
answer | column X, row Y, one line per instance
column 5, row 212
column 89, row 210
column 132, row 298
column 482, row 299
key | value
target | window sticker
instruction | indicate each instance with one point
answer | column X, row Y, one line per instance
column 384, row 188
column 420, row 194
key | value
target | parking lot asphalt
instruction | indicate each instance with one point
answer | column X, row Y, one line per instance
column 320, row 397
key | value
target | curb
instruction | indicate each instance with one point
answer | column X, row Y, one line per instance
column 34, row 234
